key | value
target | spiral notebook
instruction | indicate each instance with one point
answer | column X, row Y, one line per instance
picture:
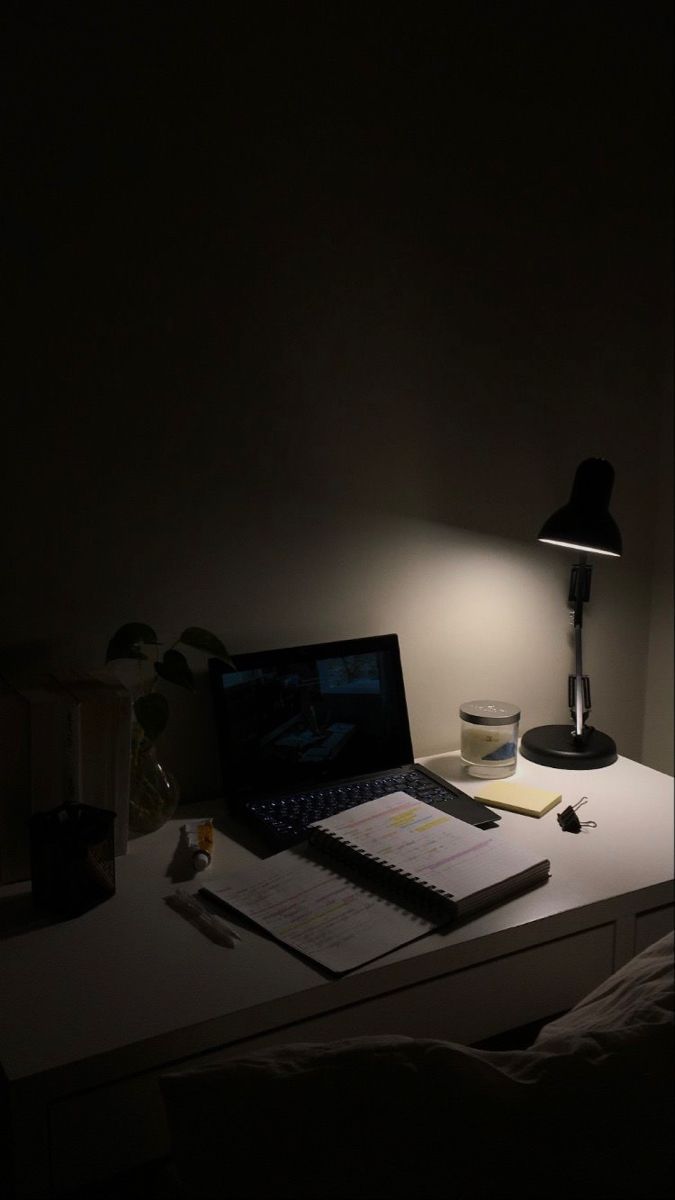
column 376, row 877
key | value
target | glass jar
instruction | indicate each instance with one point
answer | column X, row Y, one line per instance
column 153, row 791
column 489, row 738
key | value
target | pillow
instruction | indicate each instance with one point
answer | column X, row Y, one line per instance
column 393, row 1116
column 636, row 999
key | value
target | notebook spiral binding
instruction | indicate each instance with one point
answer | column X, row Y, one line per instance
column 427, row 898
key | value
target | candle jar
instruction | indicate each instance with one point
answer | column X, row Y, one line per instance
column 489, row 738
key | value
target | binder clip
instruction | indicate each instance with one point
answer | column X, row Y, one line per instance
column 569, row 821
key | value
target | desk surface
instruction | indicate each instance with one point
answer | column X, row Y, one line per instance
column 90, row 995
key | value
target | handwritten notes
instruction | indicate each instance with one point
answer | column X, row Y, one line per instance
column 328, row 899
column 320, row 911
column 419, row 842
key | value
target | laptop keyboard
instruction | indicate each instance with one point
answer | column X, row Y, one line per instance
column 285, row 818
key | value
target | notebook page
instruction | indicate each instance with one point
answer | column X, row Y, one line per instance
column 429, row 845
column 318, row 910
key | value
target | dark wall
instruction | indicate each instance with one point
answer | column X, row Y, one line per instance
column 277, row 270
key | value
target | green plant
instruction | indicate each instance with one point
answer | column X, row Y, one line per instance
column 131, row 641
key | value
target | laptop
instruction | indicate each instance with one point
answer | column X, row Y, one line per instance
column 308, row 731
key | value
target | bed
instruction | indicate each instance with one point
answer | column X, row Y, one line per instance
column 585, row 1111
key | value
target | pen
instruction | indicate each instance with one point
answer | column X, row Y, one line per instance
column 210, row 923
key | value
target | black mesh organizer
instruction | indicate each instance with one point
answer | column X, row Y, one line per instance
column 72, row 858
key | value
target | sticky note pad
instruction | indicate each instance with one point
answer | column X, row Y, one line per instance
column 518, row 798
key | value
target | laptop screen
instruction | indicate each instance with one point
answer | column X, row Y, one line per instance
column 310, row 715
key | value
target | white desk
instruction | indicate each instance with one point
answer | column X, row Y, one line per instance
column 95, row 1008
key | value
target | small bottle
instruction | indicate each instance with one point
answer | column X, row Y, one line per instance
column 489, row 733
column 199, row 836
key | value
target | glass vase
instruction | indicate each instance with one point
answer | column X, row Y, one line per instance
column 153, row 791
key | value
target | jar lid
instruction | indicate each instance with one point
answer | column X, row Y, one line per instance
column 489, row 712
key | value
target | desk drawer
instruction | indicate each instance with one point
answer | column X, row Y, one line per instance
column 108, row 1130
column 652, row 925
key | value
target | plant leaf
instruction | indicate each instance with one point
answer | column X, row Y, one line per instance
column 174, row 668
column 201, row 639
column 122, row 650
column 126, row 642
column 152, row 714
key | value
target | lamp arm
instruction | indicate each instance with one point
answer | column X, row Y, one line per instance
column 579, row 697
column 579, row 710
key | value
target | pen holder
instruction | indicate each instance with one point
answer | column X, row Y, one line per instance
column 72, row 858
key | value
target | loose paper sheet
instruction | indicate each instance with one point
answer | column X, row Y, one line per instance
column 325, row 914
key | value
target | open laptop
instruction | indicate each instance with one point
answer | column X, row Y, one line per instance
column 307, row 731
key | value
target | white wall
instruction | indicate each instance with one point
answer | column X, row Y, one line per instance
column 657, row 740
column 477, row 614
column 310, row 345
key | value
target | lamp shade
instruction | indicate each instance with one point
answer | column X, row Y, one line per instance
column 585, row 522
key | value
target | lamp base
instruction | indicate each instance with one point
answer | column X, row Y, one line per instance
column 558, row 746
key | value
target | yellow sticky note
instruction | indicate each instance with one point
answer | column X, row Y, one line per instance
column 532, row 801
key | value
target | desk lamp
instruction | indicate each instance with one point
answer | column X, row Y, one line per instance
column 583, row 524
